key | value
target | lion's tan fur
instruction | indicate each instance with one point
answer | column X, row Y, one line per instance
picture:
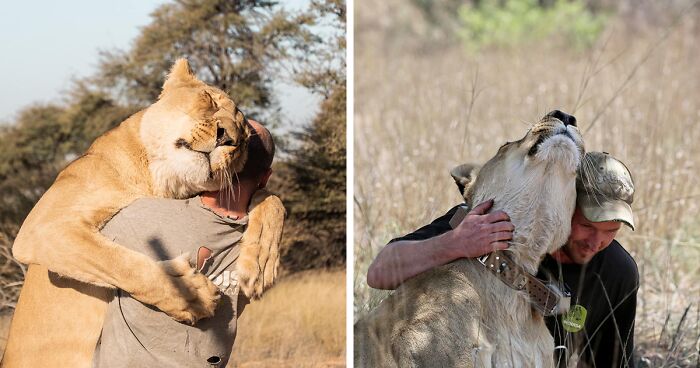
column 170, row 149
column 460, row 315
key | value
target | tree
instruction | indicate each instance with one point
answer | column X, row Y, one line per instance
column 28, row 154
column 316, row 170
column 323, row 69
column 316, row 236
column 41, row 142
column 234, row 45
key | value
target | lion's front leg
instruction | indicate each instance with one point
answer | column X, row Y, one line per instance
column 62, row 233
column 259, row 258
column 86, row 255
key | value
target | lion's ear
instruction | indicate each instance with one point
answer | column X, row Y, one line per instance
column 464, row 175
column 181, row 75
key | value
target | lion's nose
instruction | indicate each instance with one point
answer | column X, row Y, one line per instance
column 563, row 117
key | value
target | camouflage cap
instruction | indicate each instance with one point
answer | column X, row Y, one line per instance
column 604, row 189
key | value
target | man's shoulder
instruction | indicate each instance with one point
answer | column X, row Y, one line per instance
column 618, row 260
column 153, row 202
column 445, row 219
column 621, row 257
column 156, row 207
column 145, row 213
column 437, row 227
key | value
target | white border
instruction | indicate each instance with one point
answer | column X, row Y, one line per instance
column 350, row 174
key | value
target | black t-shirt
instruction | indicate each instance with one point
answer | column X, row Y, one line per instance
column 605, row 290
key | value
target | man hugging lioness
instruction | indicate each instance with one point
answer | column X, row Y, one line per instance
column 208, row 228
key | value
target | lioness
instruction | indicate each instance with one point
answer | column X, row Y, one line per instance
column 461, row 314
column 192, row 139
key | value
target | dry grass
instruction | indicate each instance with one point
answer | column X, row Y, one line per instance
column 635, row 94
column 299, row 323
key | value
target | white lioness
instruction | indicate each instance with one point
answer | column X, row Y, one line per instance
column 462, row 315
column 189, row 141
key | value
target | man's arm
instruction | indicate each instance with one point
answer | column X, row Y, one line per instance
column 437, row 244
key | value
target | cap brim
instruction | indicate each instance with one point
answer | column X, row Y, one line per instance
column 596, row 209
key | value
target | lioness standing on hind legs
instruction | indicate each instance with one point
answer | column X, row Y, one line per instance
column 209, row 228
column 602, row 276
column 188, row 142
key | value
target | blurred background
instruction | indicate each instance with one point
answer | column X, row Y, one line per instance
column 444, row 82
column 72, row 71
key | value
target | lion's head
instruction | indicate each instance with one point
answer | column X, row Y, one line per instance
column 195, row 136
column 531, row 177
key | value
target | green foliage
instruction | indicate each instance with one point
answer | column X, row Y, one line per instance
column 323, row 67
column 41, row 142
column 511, row 22
column 234, row 45
column 315, row 197
column 311, row 181
column 28, row 152
column 317, row 169
column 89, row 114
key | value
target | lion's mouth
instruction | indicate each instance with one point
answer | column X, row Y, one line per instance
column 182, row 143
column 543, row 137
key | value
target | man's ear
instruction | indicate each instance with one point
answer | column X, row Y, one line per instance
column 264, row 178
column 464, row 175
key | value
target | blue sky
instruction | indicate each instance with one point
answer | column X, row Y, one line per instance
column 43, row 44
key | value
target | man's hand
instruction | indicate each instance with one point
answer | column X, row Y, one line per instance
column 481, row 232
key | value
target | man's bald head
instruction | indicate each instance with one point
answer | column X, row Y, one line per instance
column 261, row 151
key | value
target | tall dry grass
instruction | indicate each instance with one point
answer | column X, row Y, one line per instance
column 299, row 323
column 636, row 95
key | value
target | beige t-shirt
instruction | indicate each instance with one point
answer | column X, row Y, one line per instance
column 139, row 335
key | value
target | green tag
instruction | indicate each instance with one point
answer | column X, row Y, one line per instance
column 574, row 319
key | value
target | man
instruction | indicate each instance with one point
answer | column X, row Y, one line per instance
column 601, row 275
column 208, row 227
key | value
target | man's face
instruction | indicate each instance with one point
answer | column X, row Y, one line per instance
column 588, row 238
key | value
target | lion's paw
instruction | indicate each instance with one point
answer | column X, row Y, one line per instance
column 187, row 295
column 259, row 258
column 248, row 272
